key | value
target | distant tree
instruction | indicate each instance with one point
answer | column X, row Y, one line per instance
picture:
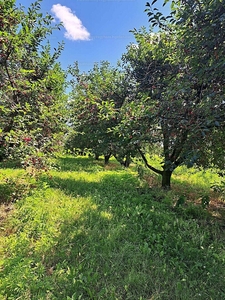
column 92, row 95
column 32, row 85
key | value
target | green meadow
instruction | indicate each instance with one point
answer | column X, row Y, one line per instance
column 89, row 231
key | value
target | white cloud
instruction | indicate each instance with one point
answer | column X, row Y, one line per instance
column 72, row 24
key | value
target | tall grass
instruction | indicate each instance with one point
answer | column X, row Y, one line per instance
column 92, row 232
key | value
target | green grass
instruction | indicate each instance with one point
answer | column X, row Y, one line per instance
column 94, row 232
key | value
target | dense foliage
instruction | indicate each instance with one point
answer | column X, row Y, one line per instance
column 198, row 28
column 179, row 103
column 93, row 94
column 86, row 230
column 167, row 96
column 32, row 85
column 174, row 102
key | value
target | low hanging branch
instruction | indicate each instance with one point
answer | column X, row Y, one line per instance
column 147, row 164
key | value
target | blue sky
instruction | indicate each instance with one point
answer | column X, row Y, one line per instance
column 95, row 30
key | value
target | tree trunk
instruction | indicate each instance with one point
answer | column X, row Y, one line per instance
column 96, row 156
column 107, row 157
column 2, row 155
column 127, row 161
column 166, row 179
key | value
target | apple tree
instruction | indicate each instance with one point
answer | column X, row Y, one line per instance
column 32, row 88
column 103, row 88
column 199, row 28
column 176, row 109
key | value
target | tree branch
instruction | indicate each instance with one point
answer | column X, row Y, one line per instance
column 147, row 164
column 179, row 147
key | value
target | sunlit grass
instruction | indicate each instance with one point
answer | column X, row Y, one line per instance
column 93, row 232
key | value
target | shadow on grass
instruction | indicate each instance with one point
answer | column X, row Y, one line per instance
column 77, row 163
column 121, row 235
column 5, row 193
column 110, row 185
column 116, row 185
column 113, row 255
column 194, row 193
column 194, row 197
column 87, row 164
column 10, row 164
column 191, row 190
column 126, row 245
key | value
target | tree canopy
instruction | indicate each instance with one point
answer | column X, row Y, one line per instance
column 32, row 96
column 179, row 100
column 94, row 94
column 166, row 95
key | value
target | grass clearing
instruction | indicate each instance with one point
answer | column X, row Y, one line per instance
column 93, row 232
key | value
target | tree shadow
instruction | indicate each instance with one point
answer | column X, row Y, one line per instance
column 5, row 193
column 83, row 163
column 10, row 164
column 87, row 164
column 194, row 196
column 111, row 186
column 105, row 242
column 120, row 247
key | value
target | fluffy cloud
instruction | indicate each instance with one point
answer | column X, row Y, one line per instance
column 72, row 24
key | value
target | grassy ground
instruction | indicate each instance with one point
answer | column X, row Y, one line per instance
column 94, row 232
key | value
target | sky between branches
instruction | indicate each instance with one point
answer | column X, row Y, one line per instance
column 94, row 30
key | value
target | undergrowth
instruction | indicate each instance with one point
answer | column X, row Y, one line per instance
column 87, row 231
